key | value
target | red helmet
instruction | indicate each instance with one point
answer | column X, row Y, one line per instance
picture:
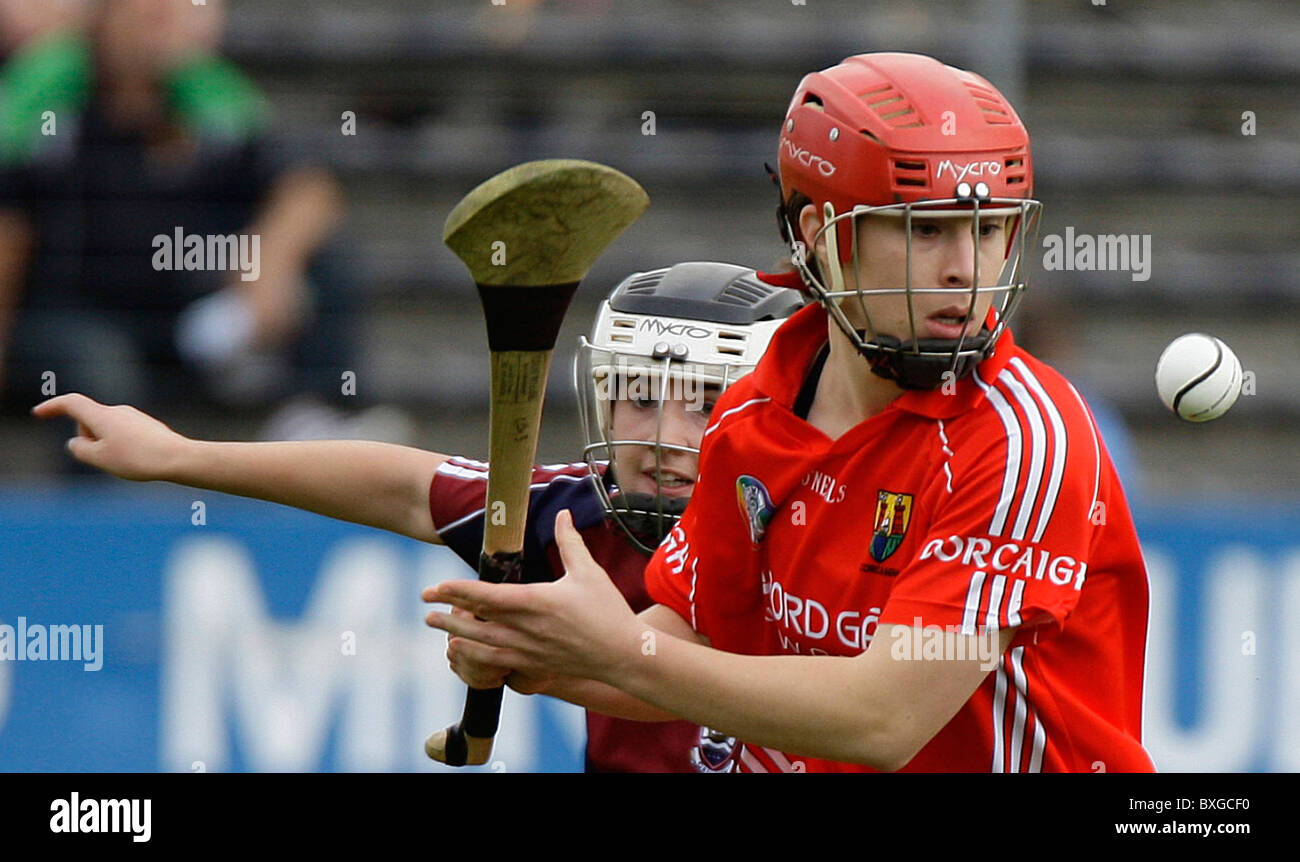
column 905, row 135
column 894, row 128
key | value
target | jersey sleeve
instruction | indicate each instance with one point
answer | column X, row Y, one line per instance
column 1008, row 542
column 456, row 502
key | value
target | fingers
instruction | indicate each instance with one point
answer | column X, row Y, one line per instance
column 73, row 404
column 476, row 664
column 483, row 600
column 83, row 448
column 573, row 551
column 489, row 633
column 523, row 683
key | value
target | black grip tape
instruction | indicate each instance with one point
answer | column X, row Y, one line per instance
column 524, row 318
column 482, row 713
column 503, row 567
column 457, row 750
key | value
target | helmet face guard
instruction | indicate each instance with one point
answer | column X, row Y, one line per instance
column 677, row 336
column 606, row 377
column 914, row 362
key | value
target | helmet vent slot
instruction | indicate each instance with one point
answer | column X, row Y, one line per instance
column 892, row 107
column 745, row 292
column 1015, row 170
column 995, row 109
column 645, row 283
column 734, row 336
column 917, row 169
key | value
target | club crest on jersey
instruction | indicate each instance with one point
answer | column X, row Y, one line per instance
column 755, row 504
column 893, row 511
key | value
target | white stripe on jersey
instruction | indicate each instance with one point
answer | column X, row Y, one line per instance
column 1040, row 743
column 470, row 462
column 695, row 575
column 999, row 717
column 747, row 757
column 536, row 486
column 1013, row 604
column 449, row 469
column 992, row 618
column 947, row 472
column 1010, row 476
column 736, row 409
column 1060, row 445
column 973, row 596
column 782, row 762
column 461, row 520
column 555, row 468
column 1037, row 452
column 1022, row 707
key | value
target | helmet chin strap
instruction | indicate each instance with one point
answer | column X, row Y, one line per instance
column 648, row 518
column 921, row 364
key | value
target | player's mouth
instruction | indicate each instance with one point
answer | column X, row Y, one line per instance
column 947, row 323
column 669, row 482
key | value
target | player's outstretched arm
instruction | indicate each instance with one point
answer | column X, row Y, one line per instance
column 377, row 484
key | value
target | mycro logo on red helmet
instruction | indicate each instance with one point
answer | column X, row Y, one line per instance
column 807, row 159
column 974, row 169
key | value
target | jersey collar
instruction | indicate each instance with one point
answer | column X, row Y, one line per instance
column 783, row 368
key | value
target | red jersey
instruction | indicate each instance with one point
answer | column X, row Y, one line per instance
column 456, row 499
column 993, row 504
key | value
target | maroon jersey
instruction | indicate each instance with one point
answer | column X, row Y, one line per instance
column 456, row 500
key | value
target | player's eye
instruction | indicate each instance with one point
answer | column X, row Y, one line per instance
column 925, row 229
column 646, row 403
column 990, row 228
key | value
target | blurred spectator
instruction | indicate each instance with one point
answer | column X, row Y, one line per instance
column 22, row 20
column 121, row 143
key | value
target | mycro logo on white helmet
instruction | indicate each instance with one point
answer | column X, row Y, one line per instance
column 675, row 328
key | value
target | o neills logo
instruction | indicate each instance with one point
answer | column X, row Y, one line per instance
column 1024, row 561
column 974, row 169
column 807, row 159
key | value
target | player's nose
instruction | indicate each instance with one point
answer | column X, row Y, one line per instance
column 957, row 264
column 676, row 429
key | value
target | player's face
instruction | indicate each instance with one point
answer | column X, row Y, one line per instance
column 681, row 422
column 943, row 256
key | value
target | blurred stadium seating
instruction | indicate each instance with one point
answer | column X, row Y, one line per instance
column 1135, row 113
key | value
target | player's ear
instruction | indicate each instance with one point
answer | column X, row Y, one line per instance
column 810, row 221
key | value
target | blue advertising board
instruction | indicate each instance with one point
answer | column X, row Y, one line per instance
column 185, row 630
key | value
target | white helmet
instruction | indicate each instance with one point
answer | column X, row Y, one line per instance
column 665, row 334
